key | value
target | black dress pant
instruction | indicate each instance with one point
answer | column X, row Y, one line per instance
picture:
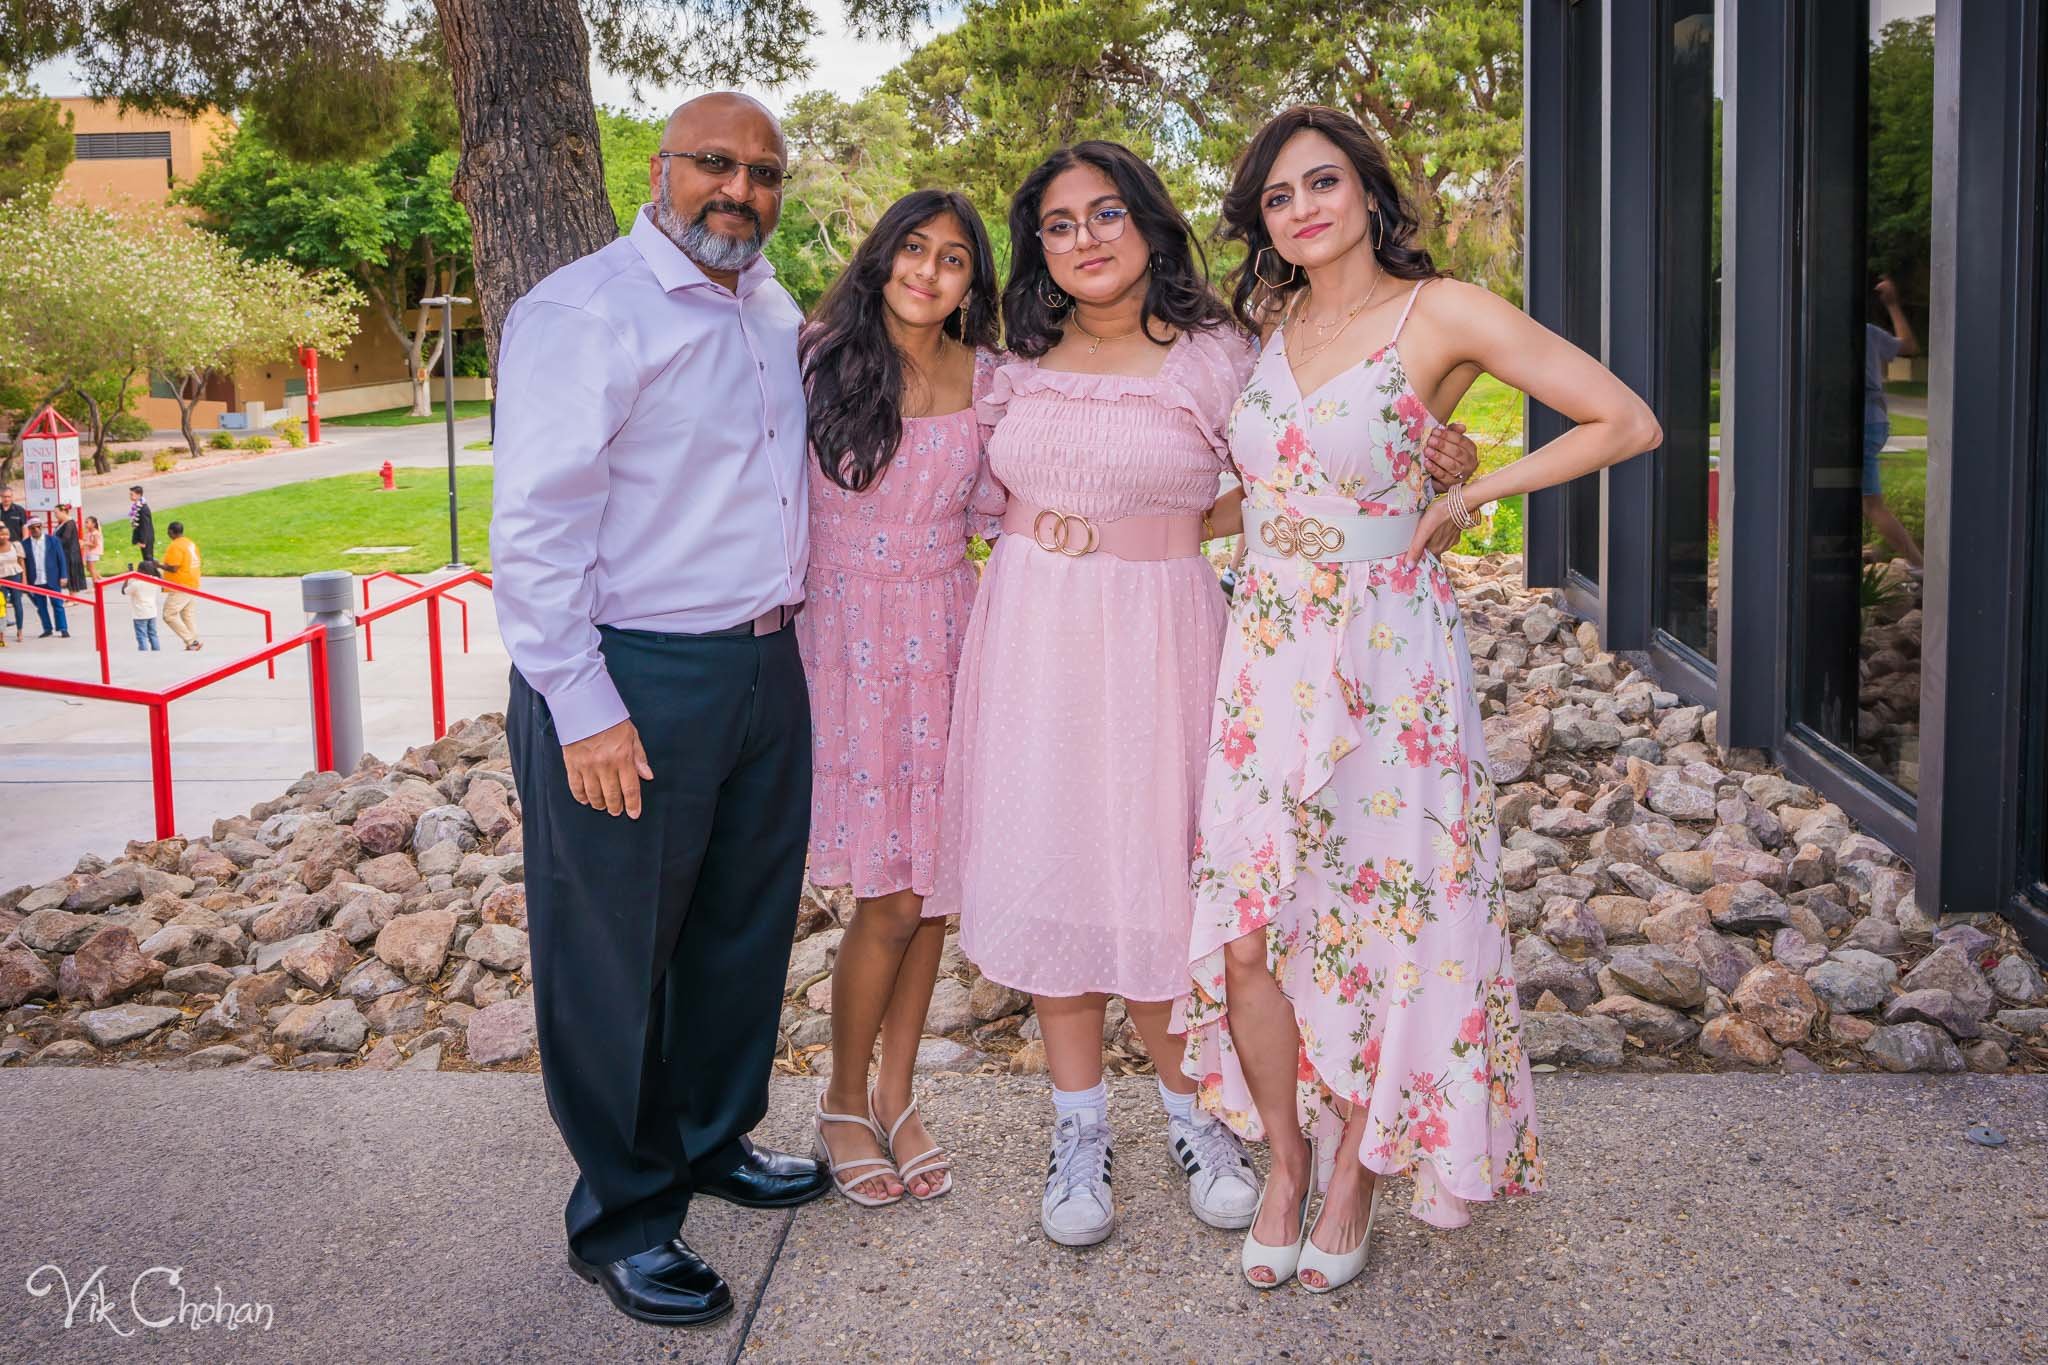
column 660, row 944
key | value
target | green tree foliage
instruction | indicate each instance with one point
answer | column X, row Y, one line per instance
column 1186, row 84
column 1901, row 166
column 390, row 222
column 627, row 141
column 35, row 139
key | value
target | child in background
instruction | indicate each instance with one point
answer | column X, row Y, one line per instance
column 146, row 601
column 94, row 544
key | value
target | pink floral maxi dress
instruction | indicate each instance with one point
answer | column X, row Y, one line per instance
column 1349, row 817
column 1082, row 713
column 886, row 601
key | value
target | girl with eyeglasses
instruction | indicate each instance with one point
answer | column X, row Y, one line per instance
column 893, row 360
column 1081, row 713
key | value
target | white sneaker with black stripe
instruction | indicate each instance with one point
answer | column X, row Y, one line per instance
column 1077, row 1210
column 1223, row 1189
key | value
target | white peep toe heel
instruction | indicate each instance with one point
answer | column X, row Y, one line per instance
column 1338, row 1268
column 1278, row 1261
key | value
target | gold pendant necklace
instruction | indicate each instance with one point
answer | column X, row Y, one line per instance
column 1096, row 341
column 1324, row 343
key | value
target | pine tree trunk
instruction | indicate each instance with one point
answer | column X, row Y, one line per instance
column 530, row 174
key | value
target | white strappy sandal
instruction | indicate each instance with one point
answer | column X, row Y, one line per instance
column 924, row 1163
column 859, row 1170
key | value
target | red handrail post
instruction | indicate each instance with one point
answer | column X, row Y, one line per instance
column 434, row 663
column 323, row 728
column 99, row 613
column 160, row 769
column 369, row 649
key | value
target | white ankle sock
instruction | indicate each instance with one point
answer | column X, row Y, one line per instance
column 1180, row 1107
column 1065, row 1102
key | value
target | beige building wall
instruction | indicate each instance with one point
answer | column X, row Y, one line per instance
column 374, row 359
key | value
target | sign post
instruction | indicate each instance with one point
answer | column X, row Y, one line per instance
column 446, row 303
column 309, row 360
column 49, row 462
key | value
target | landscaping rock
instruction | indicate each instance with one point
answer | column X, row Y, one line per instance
column 1913, row 1047
column 323, row 1026
column 498, row 946
column 124, row 1023
column 1660, row 975
column 23, row 977
column 1946, row 968
column 502, row 1033
column 1777, row 1000
column 1571, row 1039
column 106, row 967
column 417, row 945
column 57, row 931
column 1654, row 1025
column 318, row 959
column 1732, row 1038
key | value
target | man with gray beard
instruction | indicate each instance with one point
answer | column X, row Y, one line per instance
column 649, row 543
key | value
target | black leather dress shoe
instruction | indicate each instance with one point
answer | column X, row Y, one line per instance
column 767, row 1179
column 669, row 1286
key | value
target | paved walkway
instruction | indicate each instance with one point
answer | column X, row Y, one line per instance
column 416, row 1217
column 74, row 775
column 342, row 450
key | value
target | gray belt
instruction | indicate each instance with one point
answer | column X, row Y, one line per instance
column 1338, row 538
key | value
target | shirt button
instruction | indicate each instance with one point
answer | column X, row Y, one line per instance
column 771, row 433
column 785, row 502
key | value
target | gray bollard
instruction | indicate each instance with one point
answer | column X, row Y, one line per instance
column 329, row 598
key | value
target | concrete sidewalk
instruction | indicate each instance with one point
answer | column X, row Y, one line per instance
column 74, row 775
column 416, row 1217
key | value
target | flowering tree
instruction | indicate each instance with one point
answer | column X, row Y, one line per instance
column 87, row 292
column 235, row 312
column 70, row 305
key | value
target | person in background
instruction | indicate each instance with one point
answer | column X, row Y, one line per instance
column 13, row 515
column 10, row 572
column 145, row 599
column 141, row 522
column 1880, row 348
column 94, row 544
column 46, row 567
column 181, row 566
column 68, row 537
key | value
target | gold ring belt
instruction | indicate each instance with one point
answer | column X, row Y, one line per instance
column 1067, row 532
column 1304, row 536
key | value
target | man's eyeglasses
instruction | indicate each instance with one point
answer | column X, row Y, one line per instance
column 1061, row 235
column 719, row 166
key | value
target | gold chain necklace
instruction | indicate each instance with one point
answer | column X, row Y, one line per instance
column 1325, row 343
column 1096, row 341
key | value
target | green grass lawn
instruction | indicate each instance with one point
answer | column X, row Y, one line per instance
column 405, row 417
column 478, row 445
column 1492, row 414
column 301, row 527
column 1903, row 475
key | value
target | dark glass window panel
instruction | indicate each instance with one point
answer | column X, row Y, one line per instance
column 1868, row 126
column 1583, row 172
column 1688, row 159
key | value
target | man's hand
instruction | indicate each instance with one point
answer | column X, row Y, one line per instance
column 606, row 769
column 1449, row 455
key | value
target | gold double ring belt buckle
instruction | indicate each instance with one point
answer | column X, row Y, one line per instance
column 1067, row 533
column 1304, row 536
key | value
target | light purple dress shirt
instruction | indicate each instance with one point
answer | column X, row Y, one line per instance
column 650, row 463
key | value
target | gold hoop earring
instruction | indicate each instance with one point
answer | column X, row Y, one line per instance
column 1258, row 272
column 1056, row 300
column 1379, row 231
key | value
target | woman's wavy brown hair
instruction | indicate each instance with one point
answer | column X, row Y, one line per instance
column 1399, row 230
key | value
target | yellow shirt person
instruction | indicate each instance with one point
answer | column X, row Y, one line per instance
column 180, row 565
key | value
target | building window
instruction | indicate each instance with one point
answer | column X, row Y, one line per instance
column 1689, row 269
column 1583, row 173
column 1861, row 490
column 123, row 146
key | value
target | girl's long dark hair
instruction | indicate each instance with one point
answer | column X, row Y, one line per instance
column 1398, row 232
column 853, row 375
column 1178, row 294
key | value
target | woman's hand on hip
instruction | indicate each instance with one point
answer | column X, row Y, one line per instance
column 1449, row 455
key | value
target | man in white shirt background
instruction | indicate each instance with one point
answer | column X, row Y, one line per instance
column 649, row 543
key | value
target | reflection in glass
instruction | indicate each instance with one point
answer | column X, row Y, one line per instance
column 1869, row 154
column 1689, row 164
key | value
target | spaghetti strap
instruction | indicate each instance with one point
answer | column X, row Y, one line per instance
column 1413, row 295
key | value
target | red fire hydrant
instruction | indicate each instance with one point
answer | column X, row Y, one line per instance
column 385, row 475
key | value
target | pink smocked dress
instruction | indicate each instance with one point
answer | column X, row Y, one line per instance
column 886, row 601
column 1348, row 815
column 1082, row 712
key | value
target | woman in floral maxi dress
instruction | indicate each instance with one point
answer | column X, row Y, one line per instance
column 1350, row 950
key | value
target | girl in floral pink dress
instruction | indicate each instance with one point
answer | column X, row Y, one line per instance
column 898, row 351
column 1350, row 948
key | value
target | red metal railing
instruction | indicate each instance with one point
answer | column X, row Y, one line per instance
column 100, row 587
column 369, row 650
column 314, row 638
column 431, row 594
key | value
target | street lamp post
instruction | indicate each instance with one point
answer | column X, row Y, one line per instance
column 446, row 303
